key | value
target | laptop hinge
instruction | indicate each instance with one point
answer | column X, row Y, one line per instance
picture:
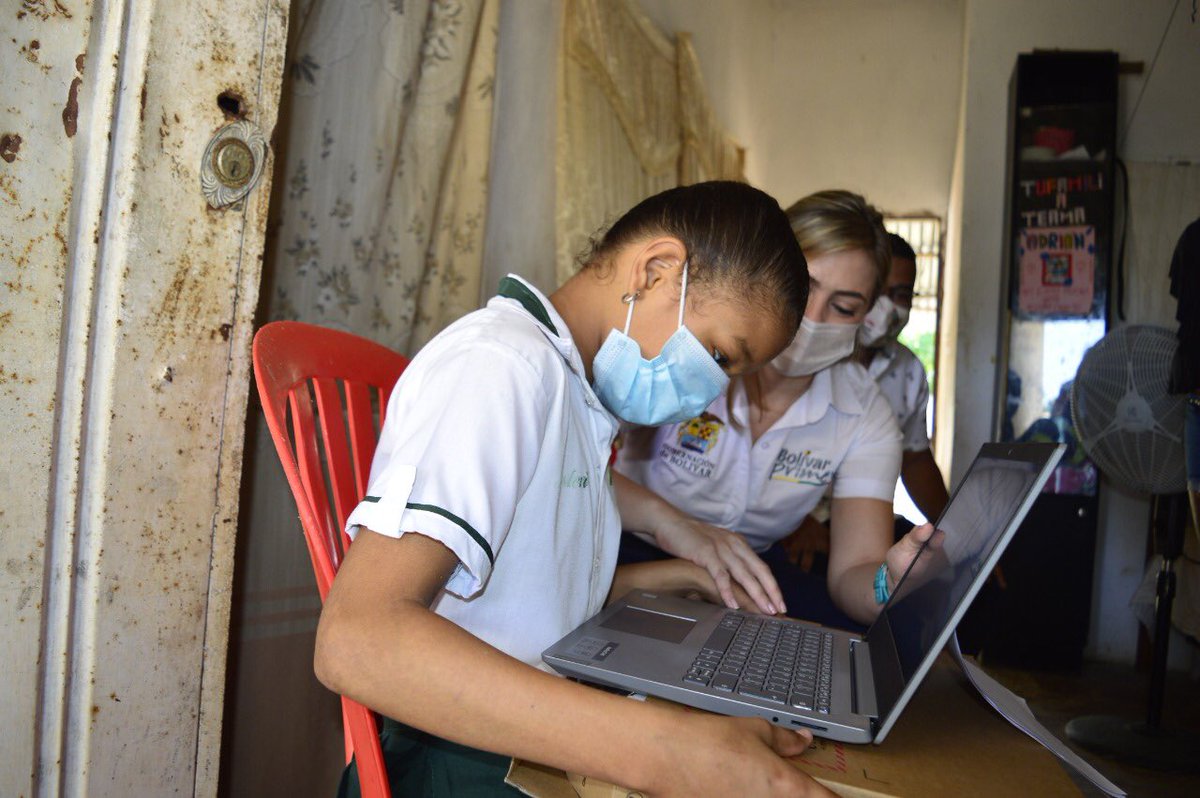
column 862, row 682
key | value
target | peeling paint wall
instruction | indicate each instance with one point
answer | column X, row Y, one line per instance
column 125, row 322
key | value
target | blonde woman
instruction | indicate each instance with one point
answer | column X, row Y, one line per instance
column 745, row 473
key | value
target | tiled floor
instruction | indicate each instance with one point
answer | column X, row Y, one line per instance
column 1056, row 698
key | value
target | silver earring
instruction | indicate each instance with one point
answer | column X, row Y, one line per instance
column 627, row 298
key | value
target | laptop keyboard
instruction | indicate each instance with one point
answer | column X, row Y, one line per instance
column 767, row 659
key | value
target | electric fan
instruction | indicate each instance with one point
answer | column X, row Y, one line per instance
column 1132, row 429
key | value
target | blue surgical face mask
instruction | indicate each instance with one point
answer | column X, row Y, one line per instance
column 676, row 385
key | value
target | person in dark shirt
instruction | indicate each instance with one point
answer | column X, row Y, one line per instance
column 1185, row 371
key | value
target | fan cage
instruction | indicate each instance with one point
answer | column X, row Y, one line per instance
column 1127, row 422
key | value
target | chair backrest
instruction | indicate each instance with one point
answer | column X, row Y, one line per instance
column 295, row 363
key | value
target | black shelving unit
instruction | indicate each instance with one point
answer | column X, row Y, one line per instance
column 1057, row 264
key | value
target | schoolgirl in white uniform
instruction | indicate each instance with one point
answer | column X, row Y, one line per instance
column 490, row 528
column 746, row 472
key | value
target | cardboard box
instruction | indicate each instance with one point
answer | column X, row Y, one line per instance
column 948, row 742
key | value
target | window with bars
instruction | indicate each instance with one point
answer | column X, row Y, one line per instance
column 924, row 235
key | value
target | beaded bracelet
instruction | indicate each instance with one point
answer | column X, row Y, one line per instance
column 881, row 585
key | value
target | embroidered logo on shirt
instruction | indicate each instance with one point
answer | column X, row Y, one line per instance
column 688, row 461
column 700, row 434
column 695, row 438
column 575, row 479
column 803, row 468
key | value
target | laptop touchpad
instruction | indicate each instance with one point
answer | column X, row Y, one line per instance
column 647, row 623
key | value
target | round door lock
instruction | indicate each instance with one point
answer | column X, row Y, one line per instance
column 232, row 163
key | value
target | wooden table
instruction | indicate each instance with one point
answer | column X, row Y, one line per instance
column 947, row 742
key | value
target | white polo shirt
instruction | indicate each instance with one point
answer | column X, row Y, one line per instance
column 840, row 432
column 901, row 379
column 496, row 445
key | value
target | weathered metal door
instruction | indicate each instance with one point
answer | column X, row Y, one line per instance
column 125, row 319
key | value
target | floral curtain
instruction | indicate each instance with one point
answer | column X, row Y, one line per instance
column 618, row 120
column 378, row 226
column 707, row 152
column 633, row 119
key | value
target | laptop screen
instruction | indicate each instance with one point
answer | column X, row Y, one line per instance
column 942, row 577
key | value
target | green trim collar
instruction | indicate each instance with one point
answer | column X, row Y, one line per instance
column 515, row 289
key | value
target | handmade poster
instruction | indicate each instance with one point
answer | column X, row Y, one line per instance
column 1058, row 270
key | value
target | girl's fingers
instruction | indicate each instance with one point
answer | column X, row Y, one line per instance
column 789, row 742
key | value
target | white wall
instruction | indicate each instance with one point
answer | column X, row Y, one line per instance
column 828, row 94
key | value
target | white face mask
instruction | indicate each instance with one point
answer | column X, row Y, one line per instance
column 878, row 322
column 882, row 323
column 817, row 345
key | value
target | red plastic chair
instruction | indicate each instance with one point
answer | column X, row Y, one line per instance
column 293, row 362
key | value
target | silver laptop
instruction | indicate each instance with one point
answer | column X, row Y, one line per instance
column 836, row 684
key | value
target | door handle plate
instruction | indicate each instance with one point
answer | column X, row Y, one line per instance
column 232, row 163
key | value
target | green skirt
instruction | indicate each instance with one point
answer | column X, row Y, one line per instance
column 419, row 764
